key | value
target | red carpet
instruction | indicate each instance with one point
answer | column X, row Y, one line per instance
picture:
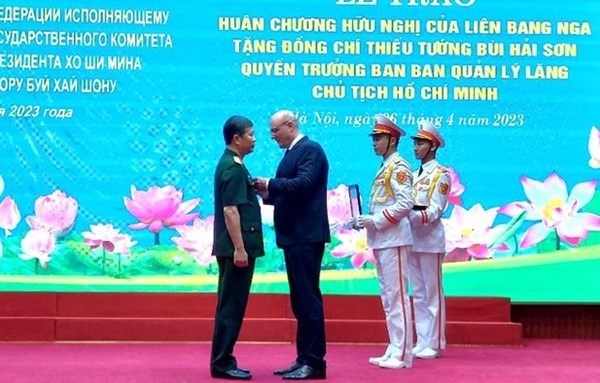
column 547, row 361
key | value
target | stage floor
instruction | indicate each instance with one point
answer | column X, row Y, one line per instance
column 537, row 360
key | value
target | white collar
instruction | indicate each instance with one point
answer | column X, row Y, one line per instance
column 295, row 141
column 390, row 158
column 430, row 165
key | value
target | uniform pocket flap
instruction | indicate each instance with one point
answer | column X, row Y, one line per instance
column 251, row 226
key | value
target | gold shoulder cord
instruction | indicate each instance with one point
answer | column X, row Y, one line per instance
column 434, row 182
column 387, row 176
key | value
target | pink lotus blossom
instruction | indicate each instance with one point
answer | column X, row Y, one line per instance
column 338, row 205
column 470, row 232
column 37, row 244
column 54, row 213
column 123, row 244
column 197, row 239
column 159, row 207
column 9, row 215
column 557, row 210
column 354, row 244
column 594, row 148
column 456, row 188
column 109, row 238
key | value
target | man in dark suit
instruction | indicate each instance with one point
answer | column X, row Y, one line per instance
column 238, row 240
column 299, row 195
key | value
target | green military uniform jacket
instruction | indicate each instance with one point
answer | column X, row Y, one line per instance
column 234, row 186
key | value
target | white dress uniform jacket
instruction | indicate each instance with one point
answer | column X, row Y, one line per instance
column 430, row 190
column 390, row 203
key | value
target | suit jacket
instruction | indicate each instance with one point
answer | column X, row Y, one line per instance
column 233, row 186
column 430, row 190
column 390, row 203
column 299, row 195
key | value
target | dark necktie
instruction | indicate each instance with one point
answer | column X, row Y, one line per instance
column 420, row 170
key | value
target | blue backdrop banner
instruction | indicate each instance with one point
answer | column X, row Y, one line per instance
column 111, row 125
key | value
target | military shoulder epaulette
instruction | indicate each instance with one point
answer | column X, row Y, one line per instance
column 401, row 161
column 442, row 169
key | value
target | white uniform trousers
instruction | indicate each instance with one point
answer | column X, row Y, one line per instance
column 392, row 268
column 425, row 275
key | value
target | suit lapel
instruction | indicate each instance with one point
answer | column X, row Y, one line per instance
column 285, row 160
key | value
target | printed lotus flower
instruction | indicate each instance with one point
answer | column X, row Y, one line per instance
column 159, row 207
column 37, row 244
column 124, row 244
column 54, row 213
column 338, row 205
column 469, row 233
column 109, row 238
column 197, row 239
column 9, row 215
column 558, row 211
column 594, row 148
column 354, row 244
column 456, row 188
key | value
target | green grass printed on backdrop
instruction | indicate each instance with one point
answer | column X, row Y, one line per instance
column 550, row 275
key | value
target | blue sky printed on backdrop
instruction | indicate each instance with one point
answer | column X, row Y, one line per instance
column 106, row 103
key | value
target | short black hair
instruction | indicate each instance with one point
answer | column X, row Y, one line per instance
column 235, row 125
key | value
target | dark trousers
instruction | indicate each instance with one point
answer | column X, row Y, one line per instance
column 232, row 299
column 303, row 266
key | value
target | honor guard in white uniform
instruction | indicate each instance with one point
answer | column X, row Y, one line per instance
column 389, row 236
column 431, row 185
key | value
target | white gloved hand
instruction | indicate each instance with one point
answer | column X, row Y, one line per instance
column 348, row 224
column 351, row 223
column 365, row 221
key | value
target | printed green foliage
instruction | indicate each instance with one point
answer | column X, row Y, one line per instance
column 174, row 261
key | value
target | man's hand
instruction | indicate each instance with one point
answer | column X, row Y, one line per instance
column 240, row 258
column 260, row 184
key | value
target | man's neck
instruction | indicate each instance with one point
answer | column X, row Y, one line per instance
column 296, row 138
column 389, row 153
column 427, row 159
column 236, row 151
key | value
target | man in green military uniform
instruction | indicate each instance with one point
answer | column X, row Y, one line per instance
column 238, row 240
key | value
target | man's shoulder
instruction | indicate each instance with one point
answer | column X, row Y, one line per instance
column 307, row 142
column 398, row 161
column 226, row 156
column 229, row 163
column 441, row 169
column 310, row 146
column 229, row 159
